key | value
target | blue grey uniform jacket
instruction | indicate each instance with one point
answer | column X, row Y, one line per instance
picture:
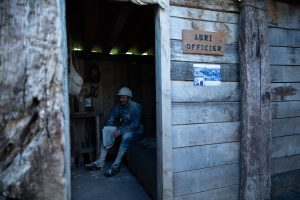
column 128, row 118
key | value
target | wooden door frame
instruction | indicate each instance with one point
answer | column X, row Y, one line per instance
column 163, row 103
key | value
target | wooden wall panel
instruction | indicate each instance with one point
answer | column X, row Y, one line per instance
column 285, row 73
column 230, row 54
column 284, row 56
column 185, row 91
column 284, row 37
column 226, row 193
column 201, row 134
column 286, row 91
column 285, row 164
column 201, row 180
column 285, row 126
column 204, row 112
column 285, row 181
column 285, row 146
column 205, row 156
column 229, row 30
column 286, row 109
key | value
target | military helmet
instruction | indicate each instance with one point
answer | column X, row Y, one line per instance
column 125, row 91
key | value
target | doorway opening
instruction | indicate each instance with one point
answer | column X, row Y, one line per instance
column 113, row 45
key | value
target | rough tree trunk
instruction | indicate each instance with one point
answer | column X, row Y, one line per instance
column 33, row 101
column 256, row 102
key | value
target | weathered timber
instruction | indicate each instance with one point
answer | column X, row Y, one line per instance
column 230, row 54
column 285, row 91
column 230, row 30
column 185, row 91
column 284, row 37
column 183, row 71
column 202, row 134
column 285, row 109
column 205, row 156
column 285, row 164
column 281, row 73
column 204, row 15
column 219, row 5
column 285, row 181
column 256, row 112
column 34, row 128
column 226, row 193
column 285, row 146
column 205, row 179
column 163, row 104
column 191, row 113
column 284, row 56
column 283, row 15
column 285, row 126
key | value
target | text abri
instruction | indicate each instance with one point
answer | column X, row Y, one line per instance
column 202, row 42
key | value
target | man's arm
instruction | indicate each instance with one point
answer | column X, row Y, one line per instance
column 135, row 120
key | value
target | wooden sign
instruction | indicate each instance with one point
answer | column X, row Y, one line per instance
column 202, row 42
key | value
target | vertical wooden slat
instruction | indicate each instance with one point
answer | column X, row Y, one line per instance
column 163, row 103
column 256, row 102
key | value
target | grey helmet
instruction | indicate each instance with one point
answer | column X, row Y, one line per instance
column 125, row 91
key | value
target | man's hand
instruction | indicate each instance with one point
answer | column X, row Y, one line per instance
column 117, row 134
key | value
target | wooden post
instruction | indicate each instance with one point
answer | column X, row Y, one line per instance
column 256, row 102
column 34, row 115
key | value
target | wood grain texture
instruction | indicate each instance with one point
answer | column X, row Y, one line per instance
column 226, row 193
column 34, row 148
column 185, row 91
column 284, row 56
column 285, row 126
column 230, row 55
column 285, row 91
column 285, row 164
column 197, row 157
column 191, row 113
column 229, row 30
column 285, row 181
column 219, row 5
column 256, row 108
column 205, row 179
column 285, row 73
column 284, row 37
column 285, row 146
column 201, row 134
column 203, row 15
column 285, row 109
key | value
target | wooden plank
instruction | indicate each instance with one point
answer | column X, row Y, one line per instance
column 283, row 15
column 183, row 71
column 256, row 106
column 230, row 55
column 204, row 15
column 163, row 103
column 185, row 91
column 226, row 193
column 286, row 109
column 285, row 73
column 219, row 5
column 284, row 37
column 285, row 91
column 285, row 146
column 197, row 157
column 189, row 113
column 285, row 181
column 285, row 126
column 205, row 179
column 285, row 164
column 284, row 56
column 230, row 30
column 201, row 134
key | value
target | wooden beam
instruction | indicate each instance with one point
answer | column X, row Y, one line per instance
column 256, row 102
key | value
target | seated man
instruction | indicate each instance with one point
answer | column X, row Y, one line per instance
column 126, row 115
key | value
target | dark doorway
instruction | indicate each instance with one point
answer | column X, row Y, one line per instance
column 112, row 44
